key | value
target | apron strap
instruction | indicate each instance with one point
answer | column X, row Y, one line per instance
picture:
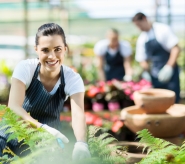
column 62, row 76
column 36, row 71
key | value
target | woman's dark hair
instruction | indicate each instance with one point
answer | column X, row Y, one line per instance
column 50, row 29
column 138, row 17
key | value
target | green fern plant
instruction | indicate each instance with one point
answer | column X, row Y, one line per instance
column 37, row 141
column 160, row 151
column 99, row 148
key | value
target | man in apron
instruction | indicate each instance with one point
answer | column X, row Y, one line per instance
column 157, row 51
column 114, row 57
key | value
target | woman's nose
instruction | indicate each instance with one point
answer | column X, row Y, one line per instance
column 51, row 54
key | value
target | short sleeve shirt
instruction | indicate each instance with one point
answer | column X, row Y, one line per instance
column 163, row 35
column 102, row 47
column 25, row 69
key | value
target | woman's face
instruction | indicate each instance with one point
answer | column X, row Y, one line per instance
column 51, row 51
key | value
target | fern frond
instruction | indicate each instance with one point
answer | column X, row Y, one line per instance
column 154, row 143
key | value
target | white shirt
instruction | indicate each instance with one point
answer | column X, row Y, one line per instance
column 102, row 46
column 25, row 69
column 163, row 35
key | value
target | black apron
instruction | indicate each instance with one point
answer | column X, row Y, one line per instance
column 41, row 105
column 113, row 67
column 159, row 57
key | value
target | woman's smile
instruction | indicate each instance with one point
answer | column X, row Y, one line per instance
column 52, row 63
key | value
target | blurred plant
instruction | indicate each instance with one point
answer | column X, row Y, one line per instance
column 4, row 88
column 161, row 151
column 5, row 75
column 88, row 71
column 5, row 69
column 44, row 148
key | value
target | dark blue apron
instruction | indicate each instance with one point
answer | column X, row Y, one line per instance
column 159, row 57
column 113, row 67
column 41, row 105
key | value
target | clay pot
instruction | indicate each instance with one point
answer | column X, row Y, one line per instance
column 166, row 125
column 134, row 151
column 154, row 101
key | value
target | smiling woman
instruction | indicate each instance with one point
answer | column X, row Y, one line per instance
column 40, row 87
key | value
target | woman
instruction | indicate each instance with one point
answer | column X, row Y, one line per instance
column 40, row 87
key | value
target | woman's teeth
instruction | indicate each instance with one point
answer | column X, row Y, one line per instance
column 52, row 62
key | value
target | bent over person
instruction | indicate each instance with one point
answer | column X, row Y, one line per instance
column 157, row 51
column 40, row 87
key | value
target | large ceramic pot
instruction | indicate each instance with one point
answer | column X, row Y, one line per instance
column 166, row 125
column 134, row 151
column 154, row 101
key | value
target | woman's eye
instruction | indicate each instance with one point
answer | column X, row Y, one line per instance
column 45, row 50
column 58, row 49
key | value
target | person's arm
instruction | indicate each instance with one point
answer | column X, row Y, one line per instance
column 81, row 149
column 166, row 72
column 16, row 98
column 145, row 65
column 127, row 65
column 78, row 116
column 101, row 72
column 174, row 54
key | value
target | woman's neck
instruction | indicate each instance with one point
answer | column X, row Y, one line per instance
column 49, row 76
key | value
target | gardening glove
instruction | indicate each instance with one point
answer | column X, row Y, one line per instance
column 80, row 151
column 55, row 133
column 165, row 74
column 146, row 75
column 127, row 78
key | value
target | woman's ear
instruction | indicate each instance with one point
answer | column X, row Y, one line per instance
column 35, row 47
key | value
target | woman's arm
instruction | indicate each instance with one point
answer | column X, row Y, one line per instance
column 78, row 116
column 16, row 98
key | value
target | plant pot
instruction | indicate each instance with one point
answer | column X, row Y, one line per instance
column 134, row 151
column 154, row 101
column 166, row 125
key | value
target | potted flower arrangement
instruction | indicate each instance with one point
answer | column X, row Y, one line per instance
column 114, row 94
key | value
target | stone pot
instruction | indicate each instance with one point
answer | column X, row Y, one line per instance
column 166, row 125
column 154, row 101
column 134, row 151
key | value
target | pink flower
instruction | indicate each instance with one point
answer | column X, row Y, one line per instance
column 115, row 118
column 97, row 106
column 106, row 115
column 116, row 126
column 93, row 91
column 136, row 87
column 124, row 85
column 90, row 118
column 113, row 106
column 131, row 97
column 98, row 121
column 127, row 91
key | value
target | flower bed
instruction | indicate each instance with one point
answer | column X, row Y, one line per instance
column 112, row 95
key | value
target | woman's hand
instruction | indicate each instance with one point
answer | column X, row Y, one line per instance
column 81, row 151
column 55, row 133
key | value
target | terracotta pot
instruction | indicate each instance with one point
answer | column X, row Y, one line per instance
column 166, row 125
column 154, row 101
column 134, row 151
